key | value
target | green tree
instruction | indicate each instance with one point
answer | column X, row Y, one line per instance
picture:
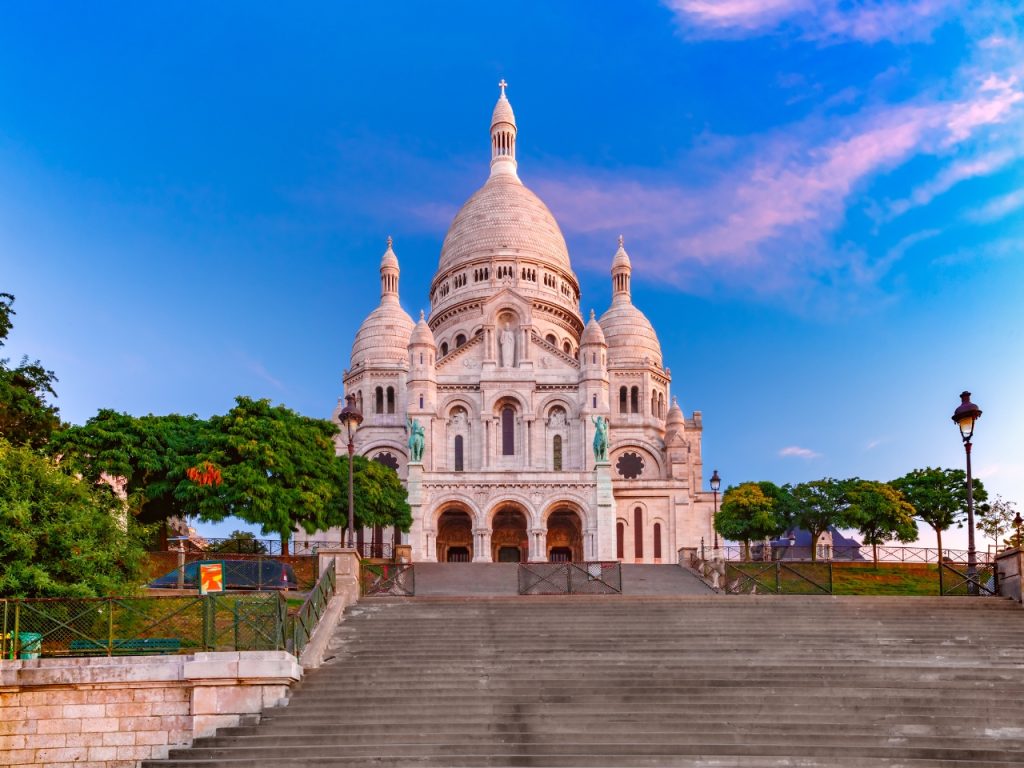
column 819, row 505
column 60, row 536
column 239, row 542
column 996, row 520
column 379, row 497
column 939, row 497
column 748, row 513
column 150, row 453
column 278, row 470
column 880, row 514
column 26, row 418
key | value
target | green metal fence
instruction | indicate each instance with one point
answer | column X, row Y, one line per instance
column 112, row 626
column 794, row 578
column 305, row 621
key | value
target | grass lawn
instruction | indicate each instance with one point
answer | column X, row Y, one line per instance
column 886, row 579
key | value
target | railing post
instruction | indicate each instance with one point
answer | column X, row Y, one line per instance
column 831, row 586
column 778, row 578
column 942, row 589
column 110, row 626
column 15, row 638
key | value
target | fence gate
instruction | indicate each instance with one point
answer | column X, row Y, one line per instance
column 955, row 579
column 593, row 578
column 395, row 580
column 778, row 578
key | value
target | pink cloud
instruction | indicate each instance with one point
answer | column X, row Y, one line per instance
column 823, row 20
column 795, row 451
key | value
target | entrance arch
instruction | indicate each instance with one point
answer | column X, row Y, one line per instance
column 564, row 536
column 455, row 536
column 509, row 541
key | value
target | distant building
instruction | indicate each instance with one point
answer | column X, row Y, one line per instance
column 508, row 382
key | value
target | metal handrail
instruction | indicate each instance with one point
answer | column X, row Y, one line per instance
column 864, row 553
column 309, row 615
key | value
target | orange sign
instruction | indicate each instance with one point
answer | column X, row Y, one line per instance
column 211, row 578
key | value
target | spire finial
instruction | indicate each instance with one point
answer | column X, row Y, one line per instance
column 591, row 314
column 421, row 316
column 503, row 85
column 622, row 241
column 390, row 241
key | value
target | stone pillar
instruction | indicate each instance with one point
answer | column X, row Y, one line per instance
column 605, row 511
column 421, row 550
column 346, row 570
column 538, row 545
column 481, row 545
column 1010, row 565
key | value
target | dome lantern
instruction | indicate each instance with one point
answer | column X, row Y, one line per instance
column 503, row 135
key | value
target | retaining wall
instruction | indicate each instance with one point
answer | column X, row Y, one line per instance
column 113, row 712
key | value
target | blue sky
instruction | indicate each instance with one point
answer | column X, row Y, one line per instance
column 823, row 202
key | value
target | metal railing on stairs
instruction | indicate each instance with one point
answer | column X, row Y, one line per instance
column 309, row 615
column 387, row 579
column 778, row 578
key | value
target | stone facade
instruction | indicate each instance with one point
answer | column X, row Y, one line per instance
column 507, row 379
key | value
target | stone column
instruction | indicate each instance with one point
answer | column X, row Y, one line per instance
column 538, row 545
column 482, row 545
column 1010, row 565
column 605, row 509
column 421, row 549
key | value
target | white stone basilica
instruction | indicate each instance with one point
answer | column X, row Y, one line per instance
column 507, row 380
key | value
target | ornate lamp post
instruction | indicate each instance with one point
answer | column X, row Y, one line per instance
column 351, row 418
column 966, row 414
column 1017, row 523
column 716, row 483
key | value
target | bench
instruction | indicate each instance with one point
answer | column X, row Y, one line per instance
column 137, row 645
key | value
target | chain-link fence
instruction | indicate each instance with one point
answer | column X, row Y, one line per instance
column 142, row 625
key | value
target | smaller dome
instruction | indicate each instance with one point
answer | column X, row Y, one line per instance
column 422, row 334
column 503, row 112
column 593, row 334
column 621, row 258
column 389, row 259
column 675, row 422
column 383, row 337
column 630, row 335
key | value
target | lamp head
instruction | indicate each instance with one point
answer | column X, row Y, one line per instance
column 350, row 415
column 716, row 481
column 965, row 415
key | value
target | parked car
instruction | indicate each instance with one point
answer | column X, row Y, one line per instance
column 257, row 574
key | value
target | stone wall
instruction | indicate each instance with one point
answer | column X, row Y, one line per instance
column 114, row 712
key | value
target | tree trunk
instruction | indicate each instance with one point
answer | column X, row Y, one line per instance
column 874, row 553
column 938, row 544
column 284, row 543
column 814, row 544
column 746, row 550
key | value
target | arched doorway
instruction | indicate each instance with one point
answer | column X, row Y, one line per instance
column 565, row 536
column 455, row 537
column 509, row 543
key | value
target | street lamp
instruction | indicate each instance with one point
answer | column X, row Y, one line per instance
column 966, row 414
column 351, row 418
column 716, row 483
column 1017, row 523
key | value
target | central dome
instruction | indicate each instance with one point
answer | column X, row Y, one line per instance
column 504, row 216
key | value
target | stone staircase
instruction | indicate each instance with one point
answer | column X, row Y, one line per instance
column 730, row 682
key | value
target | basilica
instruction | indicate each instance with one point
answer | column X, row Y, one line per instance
column 503, row 386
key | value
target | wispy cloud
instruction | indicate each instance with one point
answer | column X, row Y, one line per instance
column 998, row 208
column 798, row 452
column 872, row 444
column 820, row 20
column 956, row 172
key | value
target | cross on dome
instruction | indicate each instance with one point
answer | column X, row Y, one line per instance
column 390, row 241
column 503, row 85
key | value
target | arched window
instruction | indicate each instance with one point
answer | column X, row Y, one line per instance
column 623, row 406
column 567, row 348
column 458, row 453
column 556, row 453
column 460, row 340
column 593, row 358
column 638, row 533
column 654, row 404
column 508, row 431
column 391, row 399
column 378, row 405
column 595, row 401
column 620, row 540
column 421, row 358
column 634, row 400
column 550, row 339
column 359, row 400
column 661, row 405
column 444, row 348
column 657, row 541
column 421, row 401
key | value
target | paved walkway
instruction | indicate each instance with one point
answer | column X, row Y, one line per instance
column 501, row 579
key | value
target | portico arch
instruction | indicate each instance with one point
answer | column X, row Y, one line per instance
column 564, row 539
column 454, row 534
column 509, row 524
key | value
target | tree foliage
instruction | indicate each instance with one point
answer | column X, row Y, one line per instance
column 26, row 416
column 151, row 453
column 60, row 535
column 880, row 513
column 749, row 513
column 819, row 505
column 239, row 542
column 379, row 497
column 939, row 497
column 996, row 521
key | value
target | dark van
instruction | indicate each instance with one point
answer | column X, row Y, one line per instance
column 256, row 574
